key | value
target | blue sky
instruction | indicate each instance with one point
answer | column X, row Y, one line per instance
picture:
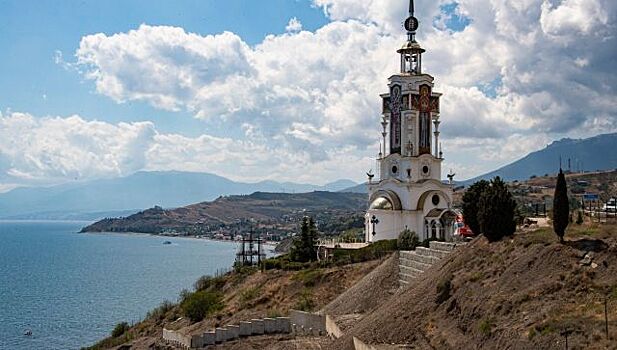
column 31, row 32
column 288, row 90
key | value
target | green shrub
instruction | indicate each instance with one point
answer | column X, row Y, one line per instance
column 248, row 295
column 426, row 243
column 198, row 305
column 374, row 251
column 309, row 278
column 209, row 283
column 305, row 301
column 159, row 312
column 485, row 327
column 546, row 329
column 614, row 292
column 443, row 290
column 272, row 264
column 476, row 276
column 120, row 329
column 408, row 240
column 273, row 313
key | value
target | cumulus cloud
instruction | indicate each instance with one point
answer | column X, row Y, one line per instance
column 548, row 66
column 52, row 150
column 46, row 150
column 294, row 25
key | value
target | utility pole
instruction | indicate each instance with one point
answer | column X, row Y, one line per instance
column 606, row 316
column 565, row 334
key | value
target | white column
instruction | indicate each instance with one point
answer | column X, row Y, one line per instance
column 437, row 122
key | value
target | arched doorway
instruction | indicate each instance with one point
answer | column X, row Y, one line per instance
column 439, row 224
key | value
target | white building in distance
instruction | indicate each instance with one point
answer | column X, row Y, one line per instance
column 407, row 192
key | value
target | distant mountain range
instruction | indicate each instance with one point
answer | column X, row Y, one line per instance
column 595, row 153
column 117, row 197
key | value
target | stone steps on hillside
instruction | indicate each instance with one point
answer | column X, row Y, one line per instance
column 406, row 256
column 444, row 246
column 432, row 252
column 414, row 262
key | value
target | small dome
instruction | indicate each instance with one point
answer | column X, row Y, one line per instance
column 411, row 46
column 382, row 203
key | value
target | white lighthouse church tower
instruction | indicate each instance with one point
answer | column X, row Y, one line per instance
column 407, row 192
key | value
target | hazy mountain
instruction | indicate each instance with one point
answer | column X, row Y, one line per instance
column 595, row 153
column 360, row 188
column 135, row 192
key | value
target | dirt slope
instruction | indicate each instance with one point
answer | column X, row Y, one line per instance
column 515, row 294
column 369, row 293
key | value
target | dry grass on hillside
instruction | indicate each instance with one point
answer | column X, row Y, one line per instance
column 515, row 294
column 256, row 295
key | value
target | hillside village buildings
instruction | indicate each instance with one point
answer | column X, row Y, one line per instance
column 408, row 192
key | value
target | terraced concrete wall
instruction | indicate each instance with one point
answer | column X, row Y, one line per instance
column 223, row 334
column 307, row 322
column 332, row 328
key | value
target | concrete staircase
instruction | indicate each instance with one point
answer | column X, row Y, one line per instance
column 414, row 262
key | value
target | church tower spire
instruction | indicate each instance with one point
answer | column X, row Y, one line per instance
column 411, row 52
column 407, row 192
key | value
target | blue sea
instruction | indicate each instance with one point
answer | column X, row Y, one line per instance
column 71, row 289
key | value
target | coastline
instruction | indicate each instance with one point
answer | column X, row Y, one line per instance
column 272, row 244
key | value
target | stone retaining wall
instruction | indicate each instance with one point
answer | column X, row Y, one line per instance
column 231, row 332
column 307, row 323
column 332, row 328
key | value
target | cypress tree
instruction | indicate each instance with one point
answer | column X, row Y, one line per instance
column 304, row 248
column 496, row 210
column 471, row 200
column 561, row 206
column 312, row 240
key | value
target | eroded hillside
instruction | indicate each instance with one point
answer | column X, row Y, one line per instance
column 520, row 293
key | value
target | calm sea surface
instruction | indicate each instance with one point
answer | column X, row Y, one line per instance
column 71, row 289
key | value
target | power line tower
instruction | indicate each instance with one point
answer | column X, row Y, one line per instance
column 250, row 252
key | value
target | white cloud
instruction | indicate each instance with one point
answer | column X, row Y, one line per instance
column 313, row 94
column 572, row 17
column 294, row 25
column 52, row 150
column 48, row 150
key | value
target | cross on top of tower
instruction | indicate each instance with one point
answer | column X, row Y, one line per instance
column 411, row 52
column 411, row 23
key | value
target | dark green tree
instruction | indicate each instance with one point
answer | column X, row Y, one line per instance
column 408, row 240
column 120, row 329
column 471, row 199
column 561, row 206
column 579, row 217
column 304, row 248
column 496, row 211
